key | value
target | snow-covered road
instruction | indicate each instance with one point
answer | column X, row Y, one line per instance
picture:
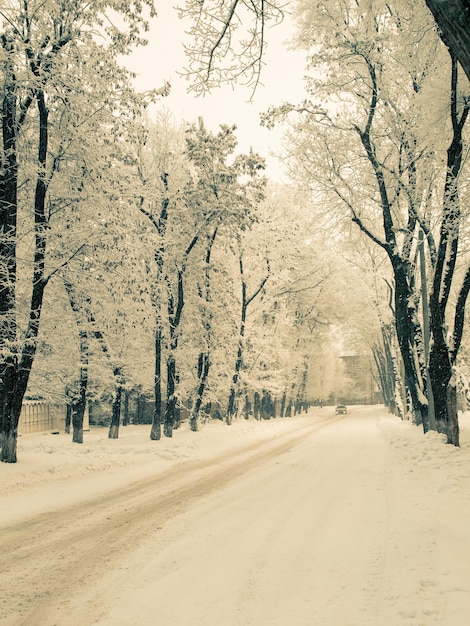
column 318, row 526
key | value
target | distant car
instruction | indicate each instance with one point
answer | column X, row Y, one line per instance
column 341, row 409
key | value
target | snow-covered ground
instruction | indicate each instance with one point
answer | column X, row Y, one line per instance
column 364, row 521
column 53, row 472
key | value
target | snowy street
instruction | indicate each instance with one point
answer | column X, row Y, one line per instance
column 323, row 520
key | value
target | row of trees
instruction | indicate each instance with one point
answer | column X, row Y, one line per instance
column 135, row 255
column 117, row 234
column 381, row 139
column 363, row 145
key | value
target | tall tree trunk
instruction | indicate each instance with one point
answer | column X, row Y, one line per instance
column 204, row 357
column 175, row 307
column 116, row 408
column 8, row 231
column 452, row 413
column 177, row 411
column 68, row 417
column 256, row 406
column 16, row 363
column 171, row 399
column 245, row 302
column 248, row 408
column 203, row 373
column 406, row 340
column 117, row 370
column 265, row 410
column 125, row 417
column 441, row 358
column 78, row 406
column 232, row 404
column 283, row 405
column 11, row 410
column 14, row 384
column 405, row 315
column 156, row 430
column 386, row 364
column 77, row 398
column 381, row 376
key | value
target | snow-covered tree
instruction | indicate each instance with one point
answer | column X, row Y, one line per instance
column 362, row 142
column 59, row 80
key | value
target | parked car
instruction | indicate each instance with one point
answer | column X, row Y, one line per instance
column 341, row 409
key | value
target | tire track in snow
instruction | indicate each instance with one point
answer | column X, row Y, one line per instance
column 52, row 555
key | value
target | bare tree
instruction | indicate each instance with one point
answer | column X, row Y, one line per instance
column 228, row 41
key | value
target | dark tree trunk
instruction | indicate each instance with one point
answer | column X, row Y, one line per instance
column 440, row 372
column 452, row 413
column 267, row 406
column 76, row 404
column 232, row 399
column 248, row 407
column 78, row 399
column 203, row 366
column 116, row 409
column 160, row 224
column 78, row 407
column 126, row 416
column 405, row 317
column 381, row 376
column 156, row 430
column 8, row 418
column 203, row 373
column 453, row 19
column 246, row 301
column 18, row 381
column 175, row 307
column 406, row 341
column 177, row 411
column 11, row 411
column 171, row 399
column 391, row 373
column 256, row 406
column 9, row 439
column 68, row 418
column 386, row 368
column 8, row 222
column 441, row 358
column 302, row 392
column 265, row 413
column 14, row 371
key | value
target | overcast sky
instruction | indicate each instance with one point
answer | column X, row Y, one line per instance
column 282, row 81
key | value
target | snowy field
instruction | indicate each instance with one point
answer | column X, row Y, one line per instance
column 361, row 521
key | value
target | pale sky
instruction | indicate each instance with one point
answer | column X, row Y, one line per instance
column 281, row 81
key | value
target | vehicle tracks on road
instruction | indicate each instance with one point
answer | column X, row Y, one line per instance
column 49, row 557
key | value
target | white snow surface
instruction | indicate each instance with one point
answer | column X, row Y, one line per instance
column 362, row 522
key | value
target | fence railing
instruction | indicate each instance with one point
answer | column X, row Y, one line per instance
column 38, row 416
